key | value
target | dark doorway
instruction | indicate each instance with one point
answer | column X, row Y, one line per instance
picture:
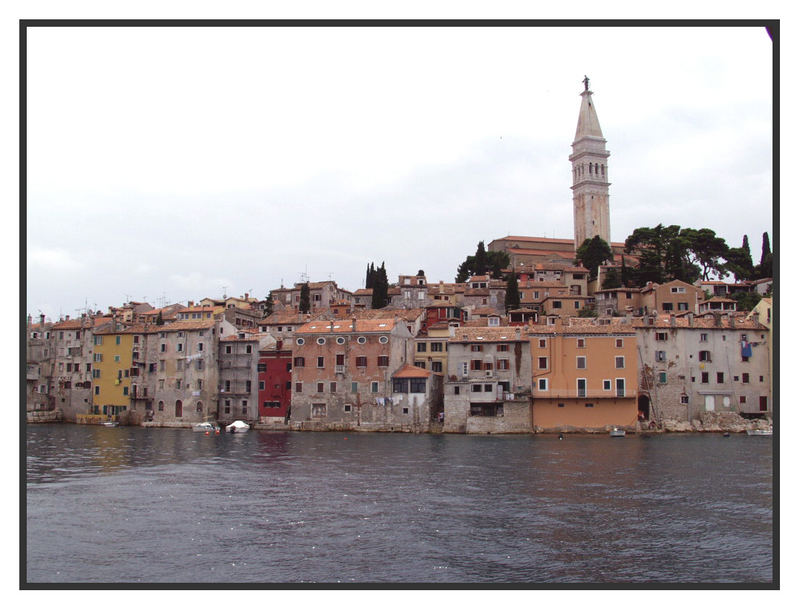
column 643, row 405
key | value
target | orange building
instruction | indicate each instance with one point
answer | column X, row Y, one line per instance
column 584, row 375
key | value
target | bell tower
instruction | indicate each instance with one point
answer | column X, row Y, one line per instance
column 589, row 174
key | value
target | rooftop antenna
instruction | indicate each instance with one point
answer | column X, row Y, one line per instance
column 224, row 290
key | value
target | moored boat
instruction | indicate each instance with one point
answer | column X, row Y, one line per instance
column 111, row 424
column 760, row 432
column 616, row 432
column 205, row 427
column 237, row 426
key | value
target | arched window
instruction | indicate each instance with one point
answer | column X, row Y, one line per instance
column 603, row 170
column 178, row 408
column 199, row 407
column 161, row 406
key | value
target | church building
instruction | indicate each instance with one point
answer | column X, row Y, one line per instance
column 590, row 199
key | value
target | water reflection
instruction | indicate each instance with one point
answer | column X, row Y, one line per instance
column 290, row 507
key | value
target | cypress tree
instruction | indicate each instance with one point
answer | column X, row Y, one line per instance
column 305, row 299
column 380, row 288
column 481, row 260
column 512, row 292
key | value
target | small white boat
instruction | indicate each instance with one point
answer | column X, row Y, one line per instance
column 205, row 427
column 760, row 432
column 616, row 432
column 237, row 426
column 111, row 424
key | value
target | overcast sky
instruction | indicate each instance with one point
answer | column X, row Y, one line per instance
column 169, row 164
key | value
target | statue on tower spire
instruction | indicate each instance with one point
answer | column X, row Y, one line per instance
column 585, row 83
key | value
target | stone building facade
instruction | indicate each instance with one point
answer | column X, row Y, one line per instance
column 488, row 384
column 72, row 348
column 239, row 357
column 176, row 373
column 341, row 375
column 695, row 365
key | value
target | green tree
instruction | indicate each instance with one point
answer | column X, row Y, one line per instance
column 269, row 305
column 740, row 262
column 159, row 319
column 706, row 249
column 593, row 253
column 481, row 260
column 664, row 254
column 624, row 274
column 305, row 299
column 587, row 311
column 512, row 292
column 612, row 279
column 496, row 262
column 380, row 288
column 369, row 281
column 746, row 301
column 764, row 269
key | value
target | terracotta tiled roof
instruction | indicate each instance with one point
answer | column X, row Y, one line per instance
column 702, row 322
column 488, row 334
column 138, row 328
column 286, row 317
column 522, row 238
column 409, row 371
column 196, row 308
column 183, row 325
column 718, row 300
column 582, row 326
column 346, row 326
column 407, row 314
column 75, row 323
column 362, row 292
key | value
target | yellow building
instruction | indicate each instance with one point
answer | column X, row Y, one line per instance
column 112, row 355
column 762, row 313
column 430, row 352
column 585, row 375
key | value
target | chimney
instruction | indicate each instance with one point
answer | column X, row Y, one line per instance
column 519, row 333
column 189, row 304
column 672, row 320
column 66, row 317
column 690, row 317
column 755, row 317
column 628, row 317
column 30, row 321
column 354, row 324
column 41, row 319
column 246, row 295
